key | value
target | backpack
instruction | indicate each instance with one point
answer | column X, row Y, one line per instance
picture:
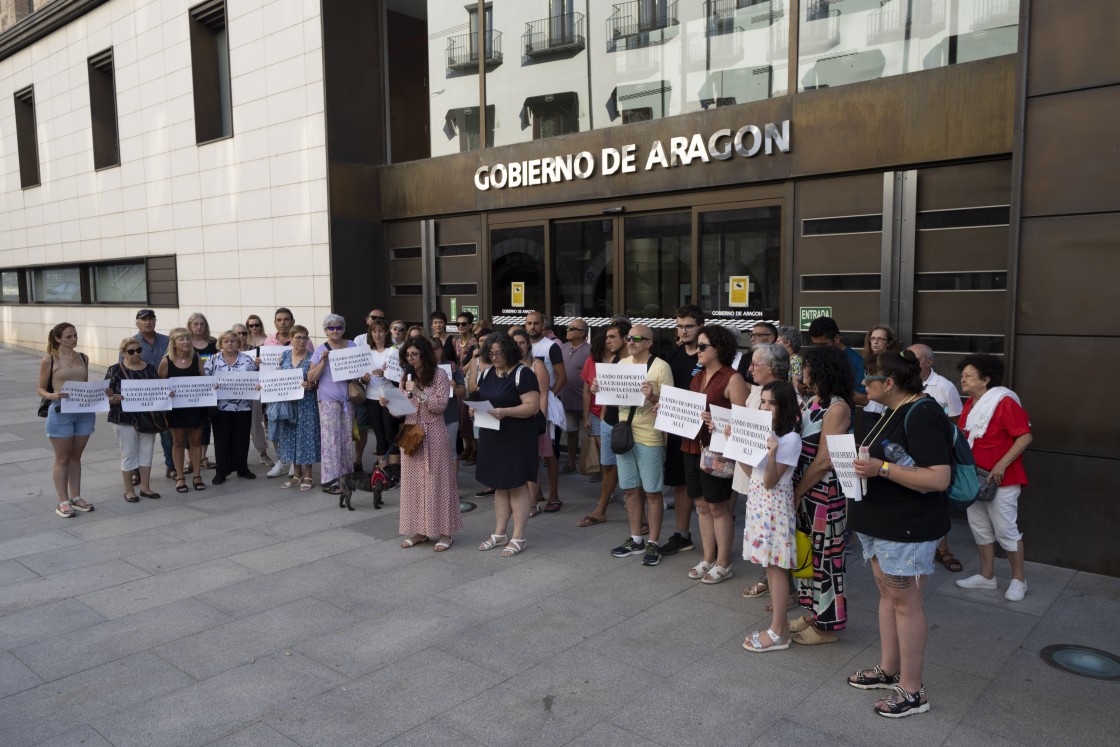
column 964, row 483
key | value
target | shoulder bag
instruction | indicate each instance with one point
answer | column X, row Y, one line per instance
column 622, row 434
column 45, row 404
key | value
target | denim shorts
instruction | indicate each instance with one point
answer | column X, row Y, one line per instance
column 643, row 466
column 68, row 425
column 607, row 457
column 900, row 558
column 595, row 422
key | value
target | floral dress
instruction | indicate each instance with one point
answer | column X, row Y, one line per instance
column 299, row 438
column 771, row 519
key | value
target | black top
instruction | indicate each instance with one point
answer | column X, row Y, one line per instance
column 683, row 366
column 114, row 374
column 890, row 511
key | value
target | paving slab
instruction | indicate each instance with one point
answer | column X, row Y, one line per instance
column 98, row 551
column 18, row 547
column 192, row 552
column 304, row 549
column 254, row 735
column 65, row 584
column 45, row 621
column 153, row 591
column 15, row 675
column 264, row 592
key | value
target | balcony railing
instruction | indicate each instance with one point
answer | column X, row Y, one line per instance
column 926, row 19
column 463, row 50
column 554, row 35
column 632, row 23
column 821, row 31
column 992, row 14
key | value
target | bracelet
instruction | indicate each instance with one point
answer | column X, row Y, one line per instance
column 885, row 470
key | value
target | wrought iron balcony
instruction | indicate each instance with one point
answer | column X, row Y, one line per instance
column 821, row 30
column 463, row 51
column 634, row 24
column 926, row 18
column 554, row 35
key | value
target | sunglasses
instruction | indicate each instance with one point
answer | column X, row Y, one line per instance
column 875, row 378
column 241, row 334
column 578, row 329
column 132, row 351
column 702, row 346
column 335, row 329
column 462, row 324
column 638, row 338
column 255, row 326
column 398, row 329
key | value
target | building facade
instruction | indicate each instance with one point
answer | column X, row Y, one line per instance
column 943, row 166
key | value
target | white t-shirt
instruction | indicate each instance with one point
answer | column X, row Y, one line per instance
column 789, row 451
column 943, row 393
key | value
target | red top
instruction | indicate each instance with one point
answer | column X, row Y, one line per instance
column 588, row 374
column 714, row 388
column 1009, row 421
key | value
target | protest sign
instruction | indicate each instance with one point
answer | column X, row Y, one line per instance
column 842, row 452
column 620, row 384
column 398, row 402
column 749, row 430
column 270, row 356
column 679, row 411
column 84, row 396
column 483, row 417
column 193, row 391
column 721, row 417
column 393, row 370
column 238, row 385
column 350, row 363
column 145, row 395
column 282, row 386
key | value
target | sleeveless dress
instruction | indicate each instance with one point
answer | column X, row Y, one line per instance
column 823, row 515
column 507, row 458
column 185, row 417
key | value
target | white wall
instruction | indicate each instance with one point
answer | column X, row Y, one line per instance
column 245, row 216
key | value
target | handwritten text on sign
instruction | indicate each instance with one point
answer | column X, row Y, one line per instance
column 350, row 363
column 193, row 391
column 749, row 430
column 238, row 385
column 620, row 384
column 150, row 395
column 679, row 411
column 270, row 356
column 842, row 452
column 721, row 418
column 84, row 396
column 282, row 386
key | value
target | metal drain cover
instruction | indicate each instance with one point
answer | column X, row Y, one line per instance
column 1083, row 661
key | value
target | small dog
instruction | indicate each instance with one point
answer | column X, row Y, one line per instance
column 374, row 482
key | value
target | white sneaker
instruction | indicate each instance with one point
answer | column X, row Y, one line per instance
column 279, row 468
column 978, row 582
column 1016, row 591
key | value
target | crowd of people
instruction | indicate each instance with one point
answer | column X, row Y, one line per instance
column 506, row 400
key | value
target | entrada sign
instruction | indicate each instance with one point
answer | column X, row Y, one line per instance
column 745, row 142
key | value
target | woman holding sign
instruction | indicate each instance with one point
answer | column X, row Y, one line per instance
column 68, row 432
column 822, row 508
column 903, row 515
column 234, row 417
column 136, row 447
column 383, row 423
column 336, row 414
column 299, row 437
column 186, row 422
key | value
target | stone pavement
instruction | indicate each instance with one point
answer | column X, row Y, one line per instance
column 249, row 615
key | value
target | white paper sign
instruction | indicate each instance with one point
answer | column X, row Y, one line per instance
column 398, row 403
column 85, row 396
column 238, row 385
column 721, row 418
column 393, row 370
column 842, row 452
column 749, row 431
column 145, row 395
column 482, row 416
column 270, row 356
column 679, row 411
column 350, row 363
column 620, row 384
column 193, row 391
column 282, row 386
column 451, row 388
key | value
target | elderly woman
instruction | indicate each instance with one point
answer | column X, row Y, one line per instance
column 336, row 414
column 136, row 447
column 998, row 431
column 711, row 492
column 507, row 457
column 299, row 435
column 790, row 339
column 429, row 484
column 822, row 508
column 68, row 432
column 904, row 512
column 186, row 422
column 205, row 345
column 232, row 419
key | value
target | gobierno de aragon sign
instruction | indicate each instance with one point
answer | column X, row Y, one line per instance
column 722, row 145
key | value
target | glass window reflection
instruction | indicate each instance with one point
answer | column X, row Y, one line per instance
column 583, row 268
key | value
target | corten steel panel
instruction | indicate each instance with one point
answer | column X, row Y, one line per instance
column 461, row 230
column 1067, row 514
column 1072, row 45
column 846, row 195
column 353, row 190
column 353, row 81
column 852, row 311
column 1070, row 161
column 846, row 253
column 965, row 185
column 461, row 269
column 1067, row 275
column 403, row 233
column 873, row 125
column 961, row 249
column 960, row 312
column 1081, row 422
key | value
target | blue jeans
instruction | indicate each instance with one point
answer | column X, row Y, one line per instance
column 165, row 443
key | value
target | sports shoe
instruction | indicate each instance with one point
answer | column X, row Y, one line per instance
column 266, row 459
column 977, row 582
column 628, row 548
column 278, row 469
column 652, row 555
column 1016, row 591
column 677, row 543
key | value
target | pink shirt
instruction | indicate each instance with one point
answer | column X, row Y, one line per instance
column 271, row 340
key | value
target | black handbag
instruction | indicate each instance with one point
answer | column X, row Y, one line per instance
column 45, row 404
column 148, row 422
column 622, row 434
column 988, row 487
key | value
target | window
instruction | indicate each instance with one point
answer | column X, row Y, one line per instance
column 119, row 283
column 9, row 286
column 465, row 123
column 642, row 102
column 151, row 281
column 27, row 142
column 741, row 243
column 554, row 114
column 103, row 110
column 213, row 111
column 56, row 285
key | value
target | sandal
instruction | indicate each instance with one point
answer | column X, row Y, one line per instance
column 813, row 636
column 289, row 484
column 416, row 539
column 332, row 488
column 760, row 589
column 753, row 642
column 181, row 485
column 717, row 574
column 305, row 484
column 589, row 521
column 901, row 703
column 699, row 570
column 873, row 679
column 799, row 625
column 537, row 509
column 80, row 504
column 949, row 560
column 553, row 506
column 442, row 545
column 208, row 463
column 494, row 541
column 198, row 483
column 515, row 546
column 65, row 510
column 170, row 473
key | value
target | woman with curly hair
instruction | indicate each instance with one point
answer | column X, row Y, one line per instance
column 822, row 508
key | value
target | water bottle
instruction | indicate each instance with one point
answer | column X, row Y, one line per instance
column 895, row 454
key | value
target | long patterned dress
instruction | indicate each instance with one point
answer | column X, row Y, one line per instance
column 299, row 438
column 429, row 478
column 823, row 514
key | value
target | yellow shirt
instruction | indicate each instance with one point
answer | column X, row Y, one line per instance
column 659, row 374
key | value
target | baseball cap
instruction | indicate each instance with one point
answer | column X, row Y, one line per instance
column 144, row 312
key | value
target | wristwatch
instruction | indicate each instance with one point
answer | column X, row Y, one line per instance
column 885, row 469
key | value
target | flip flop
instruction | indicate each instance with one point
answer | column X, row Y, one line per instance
column 811, row 636
column 590, row 521
column 949, row 560
column 413, row 542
